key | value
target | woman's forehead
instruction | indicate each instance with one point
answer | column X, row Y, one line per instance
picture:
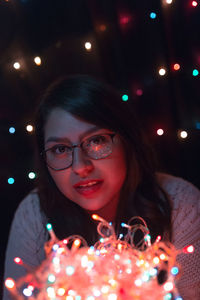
column 61, row 123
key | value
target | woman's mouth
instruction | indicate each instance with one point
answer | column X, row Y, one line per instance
column 88, row 187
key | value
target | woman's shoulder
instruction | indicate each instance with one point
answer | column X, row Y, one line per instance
column 28, row 213
column 179, row 190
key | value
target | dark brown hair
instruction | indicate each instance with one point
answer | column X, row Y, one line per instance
column 96, row 102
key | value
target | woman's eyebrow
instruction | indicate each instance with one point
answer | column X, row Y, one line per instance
column 65, row 139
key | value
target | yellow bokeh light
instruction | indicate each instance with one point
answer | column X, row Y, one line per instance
column 183, row 134
column 37, row 60
column 162, row 71
column 29, row 128
column 17, row 65
column 88, row 46
column 160, row 131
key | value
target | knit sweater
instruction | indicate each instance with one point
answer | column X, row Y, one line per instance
column 28, row 234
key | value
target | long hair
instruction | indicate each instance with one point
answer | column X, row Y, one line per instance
column 96, row 102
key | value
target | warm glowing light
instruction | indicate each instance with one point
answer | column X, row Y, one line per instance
column 125, row 19
column 31, row 175
column 162, row 72
column 189, row 249
column 37, row 60
column 160, row 131
column 9, row 283
column 158, row 238
column 176, row 67
column 168, row 286
column 29, row 128
column 156, row 260
column 61, row 291
column 139, row 92
column 18, row 260
column 168, row 1
column 183, row 134
column 102, row 27
column 95, row 217
column 17, row 65
column 162, row 256
column 194, row 3
column 27, row 292
column 88, row 46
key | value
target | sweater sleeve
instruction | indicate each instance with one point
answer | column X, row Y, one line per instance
column 185, row 200
column 26, row 239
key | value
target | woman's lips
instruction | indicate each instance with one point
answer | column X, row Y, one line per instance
column 88, row 187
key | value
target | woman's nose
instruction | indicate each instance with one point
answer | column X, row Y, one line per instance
column 81, row 164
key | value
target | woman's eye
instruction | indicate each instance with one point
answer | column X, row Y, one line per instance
column 60, row 149
column 98, row 140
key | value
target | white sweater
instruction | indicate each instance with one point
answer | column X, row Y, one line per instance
column 28, row 234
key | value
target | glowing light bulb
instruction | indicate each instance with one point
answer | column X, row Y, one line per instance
column 49, row 226
column 183, row 134
column 174, row 270
column 12, row 130
column 153, row 15
column 51, row 278
column 29, row 128
column 189, row 249
column 9, row 283
column 156, row 260
column 11, row 180
column 194, row 3
column 88, row 46
column 176, row 67
column 162, row 71
column 125, row 97
column 37, row 60
column 31, row 175
column 139, row 92
column 61, row 291
column 112, row 297
column 70, row 270
column 168, row 286
column 27, row 292
column 160, row 131
column 195, row 72
column 168, row 1
column 18, row 260
column 17, row 65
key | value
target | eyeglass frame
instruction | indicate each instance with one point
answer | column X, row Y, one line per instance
column 79, row 145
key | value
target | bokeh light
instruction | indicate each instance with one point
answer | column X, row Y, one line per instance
column 125, row 97
column 29, row 128
column 162, row 71
column 11, row 180
column 37, row 60
column 12, row 130
column 88, row 46
column 153, row 15
column 17, row 65
column 160, row 131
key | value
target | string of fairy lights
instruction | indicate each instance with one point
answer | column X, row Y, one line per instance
column 88, row 46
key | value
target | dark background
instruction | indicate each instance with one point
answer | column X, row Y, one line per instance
column 128, row 49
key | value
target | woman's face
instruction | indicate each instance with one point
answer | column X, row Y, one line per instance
column 93, row 184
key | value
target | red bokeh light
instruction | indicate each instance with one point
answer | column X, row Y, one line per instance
column 176, row 67
column 194, row 3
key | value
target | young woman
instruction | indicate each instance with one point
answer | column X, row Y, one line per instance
column 94, row 159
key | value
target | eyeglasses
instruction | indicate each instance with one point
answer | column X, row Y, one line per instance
column 60, row 156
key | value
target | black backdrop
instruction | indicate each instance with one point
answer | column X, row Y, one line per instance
column 128, row 48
